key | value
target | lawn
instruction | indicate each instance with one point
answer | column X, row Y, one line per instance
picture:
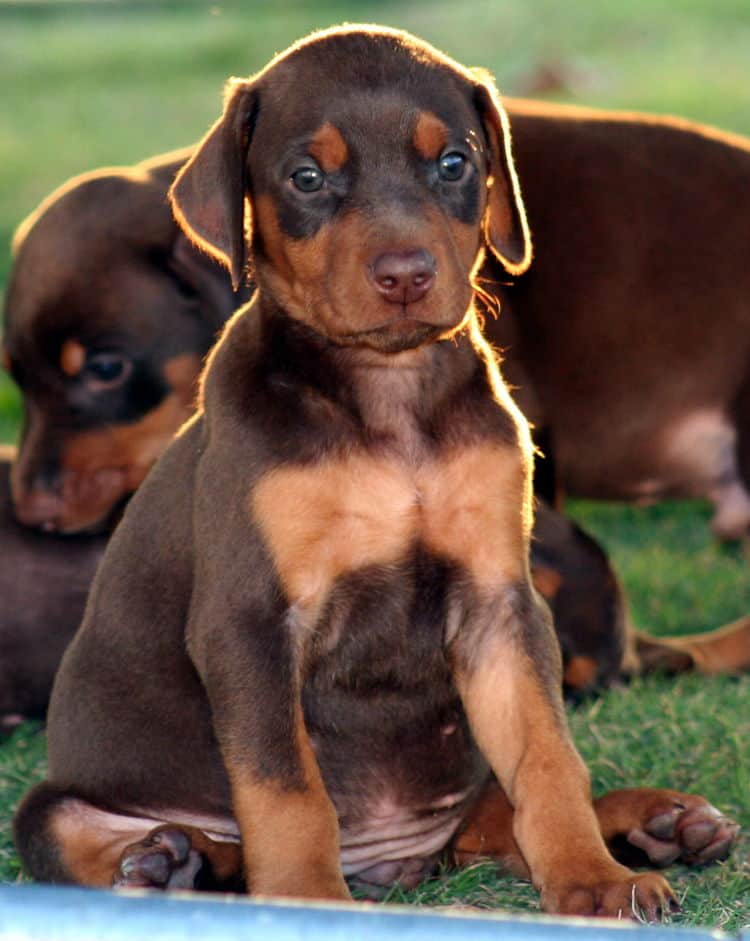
column 88, row 84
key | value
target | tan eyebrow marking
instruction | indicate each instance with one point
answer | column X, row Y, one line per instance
column 430, row 135
column 329, row 148
column 72, row 357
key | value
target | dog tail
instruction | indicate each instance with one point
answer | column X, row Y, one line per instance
column 724, row 650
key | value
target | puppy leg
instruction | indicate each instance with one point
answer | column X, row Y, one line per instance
column 507, row 670
column 488, row 832
column 64, row 839
column 179, row 857
column 287, row 822
column 639, row 825
column 726, row 650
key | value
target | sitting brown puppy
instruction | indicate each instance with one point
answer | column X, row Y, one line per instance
column 328, row 657
column 108, row 316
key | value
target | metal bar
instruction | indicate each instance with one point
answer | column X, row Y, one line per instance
column 45, row 913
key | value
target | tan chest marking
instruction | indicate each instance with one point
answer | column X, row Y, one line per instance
column 325, row 521
column 479, row 513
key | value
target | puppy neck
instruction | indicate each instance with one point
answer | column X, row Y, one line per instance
column 392, row 396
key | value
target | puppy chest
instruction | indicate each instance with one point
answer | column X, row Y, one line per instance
column 324, row 522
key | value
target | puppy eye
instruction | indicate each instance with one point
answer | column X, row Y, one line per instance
column 451, row 166
column 307, row 179
column 107, row 370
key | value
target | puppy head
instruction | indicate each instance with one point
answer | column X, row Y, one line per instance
column 108, row 315
column 360, row 176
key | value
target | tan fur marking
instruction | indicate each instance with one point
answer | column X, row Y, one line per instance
column 101, row 466
column 321, row 522
column 72, row 357
column 91, row 843
column 547, row 581
column 136, row 446
column 181, row 373
column 130, row 447
column 4, row 358
column 526, row 742
column 290, row 838
column 89, row 853
column 430, row 135
column 580, row 672
column 297, row 269
column 474, row 512
column 324, row 521
column 267, row 222
column 329, row 148
column 488, row 833
column 322, row 280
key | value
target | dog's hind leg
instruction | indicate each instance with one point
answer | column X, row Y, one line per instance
column 640, row 826
column 62, row 838
column 656, row 826
column 175, row 856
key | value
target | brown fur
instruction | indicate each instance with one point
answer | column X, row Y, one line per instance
column 44, row 580
column 416, row 674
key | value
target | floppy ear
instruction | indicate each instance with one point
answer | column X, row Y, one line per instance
column 506, row 230
column 208, row 195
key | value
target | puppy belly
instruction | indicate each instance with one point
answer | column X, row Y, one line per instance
column 401, row 791
column 395, row 842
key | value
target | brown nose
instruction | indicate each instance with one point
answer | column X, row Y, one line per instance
column 404, row 277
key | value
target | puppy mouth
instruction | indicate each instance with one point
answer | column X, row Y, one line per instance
column 394, row 336
column 404, row 325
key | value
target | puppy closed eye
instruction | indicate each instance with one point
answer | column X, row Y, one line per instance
column 106, row 370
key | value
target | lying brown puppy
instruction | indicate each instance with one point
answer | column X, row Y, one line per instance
column 43, row 585
column 334, row 621
column 630, row 334
column 108, row 316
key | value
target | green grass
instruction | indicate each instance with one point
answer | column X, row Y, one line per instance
column 89, row 84
column 678, row 579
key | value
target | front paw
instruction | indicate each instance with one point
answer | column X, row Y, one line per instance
column 614, row 892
